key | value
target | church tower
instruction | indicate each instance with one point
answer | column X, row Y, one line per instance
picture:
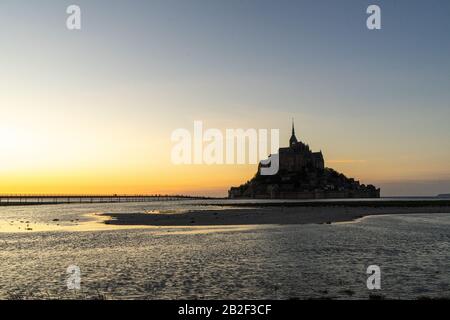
column 293, row 140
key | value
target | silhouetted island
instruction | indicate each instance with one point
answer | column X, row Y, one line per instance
column 302, row 175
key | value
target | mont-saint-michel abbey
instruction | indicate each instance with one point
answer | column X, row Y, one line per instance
column 302, row 175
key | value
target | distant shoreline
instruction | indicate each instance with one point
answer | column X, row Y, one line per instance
column 279, row 214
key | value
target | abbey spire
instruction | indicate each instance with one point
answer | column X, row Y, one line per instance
column 293, row 140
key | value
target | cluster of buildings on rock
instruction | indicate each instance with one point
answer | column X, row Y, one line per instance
column 302, row 175
column 298, row 156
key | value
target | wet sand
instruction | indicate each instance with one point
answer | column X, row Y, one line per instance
column 268, row 214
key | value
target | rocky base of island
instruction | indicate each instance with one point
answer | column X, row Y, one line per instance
column 308, row 183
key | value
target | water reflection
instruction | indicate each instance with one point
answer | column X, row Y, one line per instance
column 280, row 262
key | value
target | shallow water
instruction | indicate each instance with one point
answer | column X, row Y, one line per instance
column 252, row 262
column 85, row 217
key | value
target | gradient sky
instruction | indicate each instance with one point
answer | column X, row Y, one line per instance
column 92, row 111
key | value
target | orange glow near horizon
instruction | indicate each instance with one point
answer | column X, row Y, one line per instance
column 135, row 175
column 89, row 157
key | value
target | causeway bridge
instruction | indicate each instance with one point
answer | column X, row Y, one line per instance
column 14, row 200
